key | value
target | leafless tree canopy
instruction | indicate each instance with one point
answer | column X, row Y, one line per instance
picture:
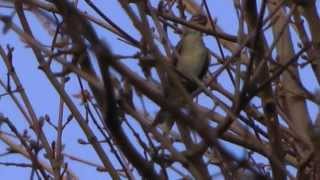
column 251, row 117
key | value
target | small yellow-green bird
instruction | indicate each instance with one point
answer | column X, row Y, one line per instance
column 193, row 62
column 194, row 55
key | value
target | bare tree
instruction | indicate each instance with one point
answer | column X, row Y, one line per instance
column 250, row 98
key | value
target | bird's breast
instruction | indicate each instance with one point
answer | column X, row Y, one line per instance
column 193, row 57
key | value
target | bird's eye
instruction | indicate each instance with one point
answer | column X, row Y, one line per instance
column 199, row 19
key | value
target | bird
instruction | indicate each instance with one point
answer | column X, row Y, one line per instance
column 193, row 61
column 194, row 55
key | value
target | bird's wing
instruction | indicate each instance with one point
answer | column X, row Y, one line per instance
column 206, row 65
column 178, row 49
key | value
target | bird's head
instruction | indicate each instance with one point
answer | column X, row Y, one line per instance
column 199, row 19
